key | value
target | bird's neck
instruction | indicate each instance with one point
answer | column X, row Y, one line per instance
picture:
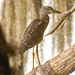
column 44, row 17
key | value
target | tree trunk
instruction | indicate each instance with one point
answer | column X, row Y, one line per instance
column 4, row 61
column 13, row 22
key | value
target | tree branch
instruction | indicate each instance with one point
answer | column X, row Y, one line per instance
column 62, row 64
column 61, row 20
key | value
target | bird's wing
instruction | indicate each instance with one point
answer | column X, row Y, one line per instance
column 32, row 35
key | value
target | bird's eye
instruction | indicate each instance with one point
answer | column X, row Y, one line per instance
column 47, row 9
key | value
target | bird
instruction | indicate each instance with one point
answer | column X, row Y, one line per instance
column 33, row 34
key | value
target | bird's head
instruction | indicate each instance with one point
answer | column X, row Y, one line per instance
column 48, row 10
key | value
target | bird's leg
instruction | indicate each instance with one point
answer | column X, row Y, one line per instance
column 37, row 54
column 33, row 59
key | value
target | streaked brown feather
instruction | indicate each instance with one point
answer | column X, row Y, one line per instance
column 33, row 34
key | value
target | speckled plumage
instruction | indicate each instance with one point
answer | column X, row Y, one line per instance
column 34, row 32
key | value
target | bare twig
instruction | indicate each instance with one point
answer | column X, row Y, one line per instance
column 63, row 17
column 63, row 22
column 62, row 64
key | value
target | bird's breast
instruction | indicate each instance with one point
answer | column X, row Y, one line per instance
column 44, row 25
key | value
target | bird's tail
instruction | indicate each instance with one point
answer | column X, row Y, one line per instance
column 22, row 49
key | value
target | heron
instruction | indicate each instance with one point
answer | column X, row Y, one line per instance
column 33, row 34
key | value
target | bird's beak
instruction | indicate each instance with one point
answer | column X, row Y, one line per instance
column 55, row 11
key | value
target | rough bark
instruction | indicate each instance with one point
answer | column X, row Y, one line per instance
column 62, row 64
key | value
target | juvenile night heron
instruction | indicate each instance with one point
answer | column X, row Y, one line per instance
column 34, row 32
